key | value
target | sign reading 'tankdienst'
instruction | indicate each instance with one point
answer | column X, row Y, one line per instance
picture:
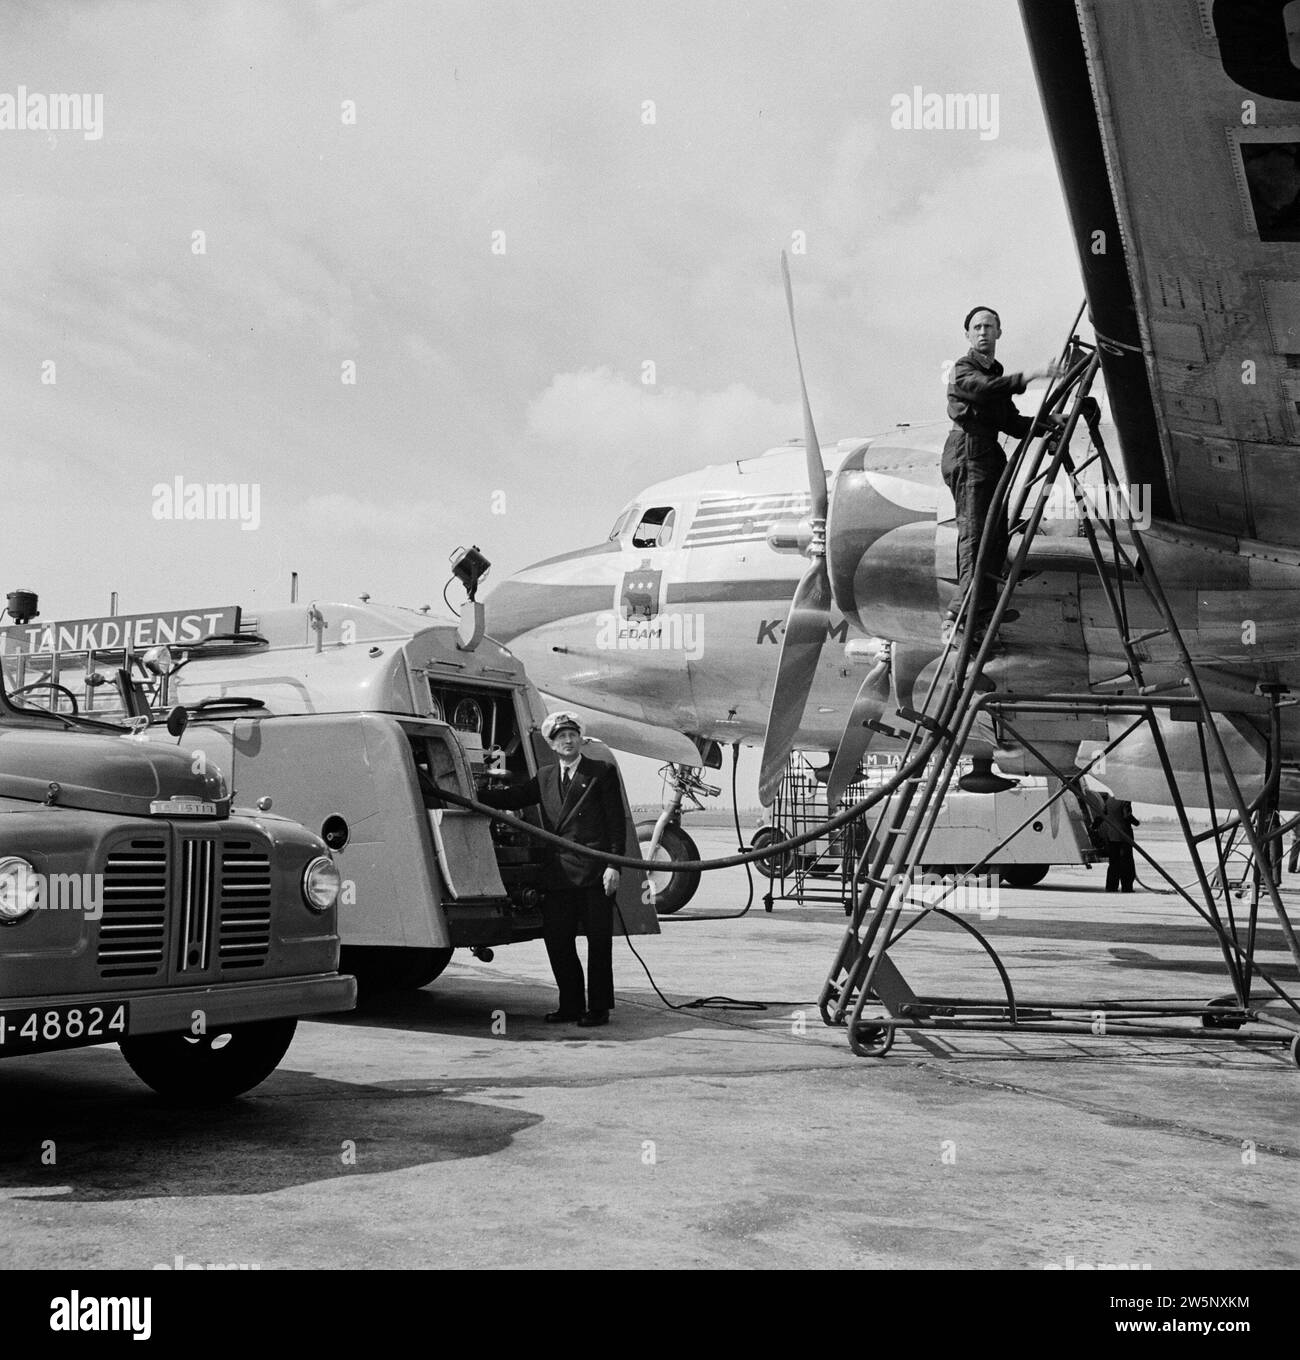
column 175, row 628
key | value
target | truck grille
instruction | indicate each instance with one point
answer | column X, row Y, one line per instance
column 133, row 929
column 245, row 905
column 220, row 889
column 197, row 890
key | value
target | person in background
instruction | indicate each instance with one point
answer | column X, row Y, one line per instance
column 1117, row 825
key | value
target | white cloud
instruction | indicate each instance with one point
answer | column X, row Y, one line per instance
column 406, row 524
column 597, row 413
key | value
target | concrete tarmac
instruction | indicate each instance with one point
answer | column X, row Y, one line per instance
column 453, row 1128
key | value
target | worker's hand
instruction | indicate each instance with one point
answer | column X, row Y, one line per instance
column 1050, row 370
column 611, row 882
column 1050, row 422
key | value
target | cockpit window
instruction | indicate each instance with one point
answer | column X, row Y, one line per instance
column 655, row 529
column 621, row 523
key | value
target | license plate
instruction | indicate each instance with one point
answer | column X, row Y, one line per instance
column 182, row 807
column 46, row 1027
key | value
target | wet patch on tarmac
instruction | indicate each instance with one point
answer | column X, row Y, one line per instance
column 115, row 1145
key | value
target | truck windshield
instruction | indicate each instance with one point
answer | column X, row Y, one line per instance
column 34, row 690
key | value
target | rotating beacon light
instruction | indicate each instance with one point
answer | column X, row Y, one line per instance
column 469, row 567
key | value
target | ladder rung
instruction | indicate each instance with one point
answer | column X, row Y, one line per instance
column 884, row 730
column 1146, row 637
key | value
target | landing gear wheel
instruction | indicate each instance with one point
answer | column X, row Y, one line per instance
column 387, row 968
column 672, row 888
column 872, row 1041
column 1022, row 875
column 778, row 865
column 205, row 1069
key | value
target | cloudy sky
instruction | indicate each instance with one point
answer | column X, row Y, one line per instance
column 499, row 213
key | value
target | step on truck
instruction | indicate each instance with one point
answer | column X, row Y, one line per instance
column 137, row 908
column 353, row 718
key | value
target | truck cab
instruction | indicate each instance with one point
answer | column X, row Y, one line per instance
column 138, row 908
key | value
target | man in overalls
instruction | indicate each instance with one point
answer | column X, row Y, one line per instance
column 980, row 406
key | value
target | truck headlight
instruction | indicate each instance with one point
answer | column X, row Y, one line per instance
column 321, row 882
column 20, row 890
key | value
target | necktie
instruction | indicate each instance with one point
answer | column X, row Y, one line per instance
column 564, row 783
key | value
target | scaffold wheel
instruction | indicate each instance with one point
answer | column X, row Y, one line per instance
column 872, row 1041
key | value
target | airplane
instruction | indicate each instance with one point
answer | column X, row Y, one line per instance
column 1182, row 185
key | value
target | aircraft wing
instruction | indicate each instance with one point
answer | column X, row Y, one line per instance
column 1176, row 129
column 627, row 734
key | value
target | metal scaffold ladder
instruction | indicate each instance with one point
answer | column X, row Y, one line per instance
column 865, row 990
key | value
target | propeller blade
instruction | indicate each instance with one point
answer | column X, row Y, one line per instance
column 872, row 700
column 806, row 623
column 812, row 449
column 801, row 648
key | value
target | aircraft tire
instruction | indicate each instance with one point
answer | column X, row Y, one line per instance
column 388, row 968
column 203, row 1070
column 672, row 890
column 1022, row 875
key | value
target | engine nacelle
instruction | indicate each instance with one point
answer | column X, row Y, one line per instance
column 885, row 549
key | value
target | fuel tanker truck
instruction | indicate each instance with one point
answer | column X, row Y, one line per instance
column 351, row 718
column 137, row 907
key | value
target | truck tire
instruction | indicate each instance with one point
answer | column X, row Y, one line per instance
column 391, row 968
column 672, row 890
column 1022, row 875
column 208, row 1068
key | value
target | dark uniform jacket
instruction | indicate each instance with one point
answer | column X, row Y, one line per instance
column 1117, row 820
column 592, row 815
column 980, row 406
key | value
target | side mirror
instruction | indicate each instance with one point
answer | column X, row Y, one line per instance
column 177, row 721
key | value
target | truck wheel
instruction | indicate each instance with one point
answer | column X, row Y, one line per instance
column 390, row 968
column 1022, row 875
column 207, row 1068
column 672, row 890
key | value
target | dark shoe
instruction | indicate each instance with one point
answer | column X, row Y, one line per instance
column 594, row 1018
column 563, row 1017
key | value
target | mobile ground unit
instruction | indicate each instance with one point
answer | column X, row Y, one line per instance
column 137, row 908
column 1011, row 834
column 354, row 718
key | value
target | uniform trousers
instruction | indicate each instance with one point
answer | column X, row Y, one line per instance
column 972, row 467
column 567, row 913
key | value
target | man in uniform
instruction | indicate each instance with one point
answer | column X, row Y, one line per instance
column 1117, row 826
column 581, row 800
column 980, row 407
